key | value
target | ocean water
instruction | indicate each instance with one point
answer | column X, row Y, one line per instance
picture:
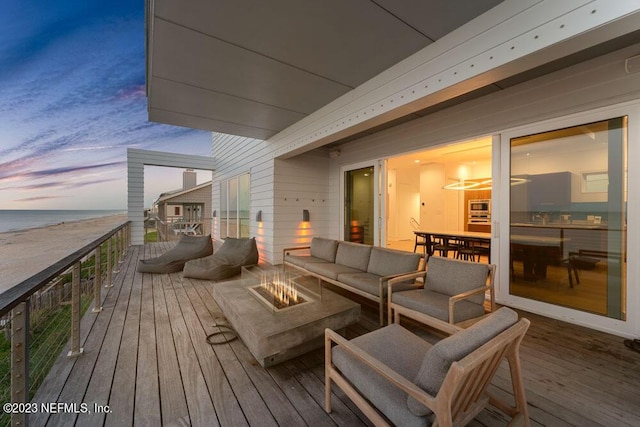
column 12, row 220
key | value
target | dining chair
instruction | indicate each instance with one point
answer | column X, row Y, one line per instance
column 421, row 240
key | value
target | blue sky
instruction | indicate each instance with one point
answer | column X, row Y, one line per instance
column 72, row 99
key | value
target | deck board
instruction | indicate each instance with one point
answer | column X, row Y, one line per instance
column 147, row 358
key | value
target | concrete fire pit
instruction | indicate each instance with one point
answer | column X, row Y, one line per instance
column 274, row 336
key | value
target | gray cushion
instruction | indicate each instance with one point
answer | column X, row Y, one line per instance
column 226, row 262
column 370, row 283
column 436, row 305
column 301, row 260
column 397, row 348
column 188, row 248
column 439, row 358
column 242, row 251
column 329, row 269
column 354, row 255
column 451, row 277
column 210, row 268
column 324, row 248
column 389, row 262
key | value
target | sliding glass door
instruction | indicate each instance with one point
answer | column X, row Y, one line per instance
column 567, row 218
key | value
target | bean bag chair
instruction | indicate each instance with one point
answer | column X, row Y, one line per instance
column 226, row 262
column 189, row 247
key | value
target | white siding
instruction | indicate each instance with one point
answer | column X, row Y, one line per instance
column 302, row 183
column 281, row 189
column 233, row 156
column 596, row 83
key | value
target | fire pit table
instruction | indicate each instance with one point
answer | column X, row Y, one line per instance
column 275, row 333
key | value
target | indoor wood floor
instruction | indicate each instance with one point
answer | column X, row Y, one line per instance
column 145, row 356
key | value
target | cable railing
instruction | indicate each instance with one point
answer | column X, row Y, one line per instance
column 41, row 315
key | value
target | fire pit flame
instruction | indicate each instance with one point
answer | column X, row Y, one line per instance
column 283, row 291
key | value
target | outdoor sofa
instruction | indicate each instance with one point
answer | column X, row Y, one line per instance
column 358, row 268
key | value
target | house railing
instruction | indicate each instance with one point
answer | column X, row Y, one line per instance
column 44, row 311
column 174, row 227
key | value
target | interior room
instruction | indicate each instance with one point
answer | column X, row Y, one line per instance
column 433, row 189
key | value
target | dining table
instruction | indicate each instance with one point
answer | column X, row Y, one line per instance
column 446, row 237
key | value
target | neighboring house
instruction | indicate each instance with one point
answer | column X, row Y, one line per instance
column 188, row 208
column 547, row 92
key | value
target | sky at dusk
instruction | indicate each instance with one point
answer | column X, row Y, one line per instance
column 72, row 99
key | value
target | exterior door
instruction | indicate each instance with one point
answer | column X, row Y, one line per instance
column 363, row 203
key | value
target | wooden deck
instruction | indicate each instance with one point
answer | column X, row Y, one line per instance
column 145, row 356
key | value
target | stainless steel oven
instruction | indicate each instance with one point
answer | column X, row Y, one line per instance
column 479, row 211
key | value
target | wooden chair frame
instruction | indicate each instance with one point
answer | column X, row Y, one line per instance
column 463, row 393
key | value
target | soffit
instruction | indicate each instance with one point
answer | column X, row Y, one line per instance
column 253, row 68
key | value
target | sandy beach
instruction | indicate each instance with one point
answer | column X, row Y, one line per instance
column 26, row 252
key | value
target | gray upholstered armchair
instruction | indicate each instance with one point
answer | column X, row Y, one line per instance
column 397, row 378
column 454, row 292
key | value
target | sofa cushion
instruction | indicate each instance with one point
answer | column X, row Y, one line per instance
column 324, row 249
column 172, row 261
column 451, row 277
column 301, row 260
column 436, row 305
column 370, row 283
column 438, row 359
column 354, row 255
column 329, row 269
column 389, row 262
column 400, row 350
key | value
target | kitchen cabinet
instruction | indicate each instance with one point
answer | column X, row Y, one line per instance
column 547, row 192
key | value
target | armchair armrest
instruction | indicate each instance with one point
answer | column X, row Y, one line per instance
column 380, row 368
column 393, row 280
column 297, row 248
column 464, row 295
column 432, row 322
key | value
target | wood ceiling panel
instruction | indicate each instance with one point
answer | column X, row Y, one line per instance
column 437, row 18
column 199, row 60
column 345, row 41
column 171, row 96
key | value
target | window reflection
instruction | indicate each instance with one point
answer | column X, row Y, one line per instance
column 568, row 217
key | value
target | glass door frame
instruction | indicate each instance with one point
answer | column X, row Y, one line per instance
column 379, row 203
column 631, row 326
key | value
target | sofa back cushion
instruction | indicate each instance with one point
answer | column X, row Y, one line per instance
column 324, row 248
column 354, row 255
column 389, row 262
column 438, row 359
column 450, row 277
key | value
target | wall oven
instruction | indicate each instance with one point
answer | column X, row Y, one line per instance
column 479, row 211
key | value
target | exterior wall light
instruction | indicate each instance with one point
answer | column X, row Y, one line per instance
column 305, row 215
column 259, row 216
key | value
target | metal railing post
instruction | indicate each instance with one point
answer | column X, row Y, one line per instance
column 122, row 248
column 109, row 284
column 97, row 281
column 116, row 258
column 76, row 350
column 20, row 360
